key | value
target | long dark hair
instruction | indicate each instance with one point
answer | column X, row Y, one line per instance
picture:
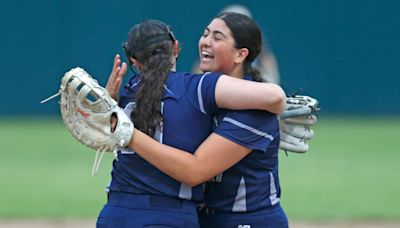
column 246, row 34
column 150, row 43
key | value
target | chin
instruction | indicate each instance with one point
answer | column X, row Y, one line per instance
column 206, row 68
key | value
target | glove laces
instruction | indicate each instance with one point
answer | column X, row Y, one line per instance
column 99, row 157
column 51, row 97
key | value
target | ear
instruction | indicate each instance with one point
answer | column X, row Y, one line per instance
column 242, row 54
column 176, row 48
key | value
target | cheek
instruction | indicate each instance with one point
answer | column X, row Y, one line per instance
column 224, row 58
column 200, row 43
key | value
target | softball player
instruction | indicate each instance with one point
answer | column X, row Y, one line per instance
column 243, row 148
column 247, row 194
column 139, row 195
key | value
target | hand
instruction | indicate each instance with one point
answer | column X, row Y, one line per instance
column 113, row 122
column 115, row 79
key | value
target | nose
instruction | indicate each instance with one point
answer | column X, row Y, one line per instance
column 205, row 41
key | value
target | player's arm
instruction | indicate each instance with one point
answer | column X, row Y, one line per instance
column 215, row 155
column 238, row 94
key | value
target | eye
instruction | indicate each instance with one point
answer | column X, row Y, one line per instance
column 206, row 32
column 218, row 37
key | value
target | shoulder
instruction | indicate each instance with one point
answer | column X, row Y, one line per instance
column 199, row 90
column 128, row 91
column 206, row 81
column 208, row 75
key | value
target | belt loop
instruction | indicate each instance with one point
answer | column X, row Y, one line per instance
column 209, row 211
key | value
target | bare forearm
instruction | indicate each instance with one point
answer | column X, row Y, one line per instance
column 178, row 164
column 239, row 94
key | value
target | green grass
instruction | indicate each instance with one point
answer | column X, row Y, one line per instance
column 46, row 173
column 351, row 172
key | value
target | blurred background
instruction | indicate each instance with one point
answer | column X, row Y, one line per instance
column 346, row 53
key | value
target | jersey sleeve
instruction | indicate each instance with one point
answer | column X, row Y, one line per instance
column 200, row 90
column 253, row 129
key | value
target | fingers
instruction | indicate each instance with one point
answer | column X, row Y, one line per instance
column 117, row 62
column 123, row 69
column 113, row 122
column 115, row 79
column 119, row 74
column 114, row 71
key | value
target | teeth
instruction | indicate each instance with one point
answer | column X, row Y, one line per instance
column 207, row 54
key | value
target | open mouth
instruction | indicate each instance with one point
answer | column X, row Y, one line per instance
column 206, row 55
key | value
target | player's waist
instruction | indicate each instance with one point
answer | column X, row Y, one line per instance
column 162, row 188
column 221, row 211
column 155, row 184
column 146, row 201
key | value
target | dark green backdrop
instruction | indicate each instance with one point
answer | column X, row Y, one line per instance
column 344, row 52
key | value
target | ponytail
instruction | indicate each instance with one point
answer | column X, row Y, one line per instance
column 253, row 72
column 150, row 43
column 147, row 114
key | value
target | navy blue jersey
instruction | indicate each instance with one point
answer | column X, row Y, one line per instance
column 188, row 106
column 253, row 182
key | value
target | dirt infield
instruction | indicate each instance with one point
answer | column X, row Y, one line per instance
column 92, row 223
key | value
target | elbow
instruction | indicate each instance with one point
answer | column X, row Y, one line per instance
column 194, row 178
column 281, row 103
column 278, row 101
column 193, row 181
column 192, row 184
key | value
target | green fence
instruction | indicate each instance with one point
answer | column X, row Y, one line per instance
column 345, row 52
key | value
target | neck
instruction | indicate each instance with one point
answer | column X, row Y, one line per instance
column 173, row 68
column 236, row 73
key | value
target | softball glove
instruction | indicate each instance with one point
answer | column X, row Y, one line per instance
column 86, row 109
column 295, row 123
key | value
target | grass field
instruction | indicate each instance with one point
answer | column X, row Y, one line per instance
column 350, row 173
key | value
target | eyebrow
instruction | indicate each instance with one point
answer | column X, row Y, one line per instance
column 216, row 32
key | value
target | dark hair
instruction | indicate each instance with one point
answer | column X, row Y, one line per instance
column 246, row 34
column 150, row 43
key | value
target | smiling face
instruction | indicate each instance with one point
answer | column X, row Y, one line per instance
column 217, row 49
